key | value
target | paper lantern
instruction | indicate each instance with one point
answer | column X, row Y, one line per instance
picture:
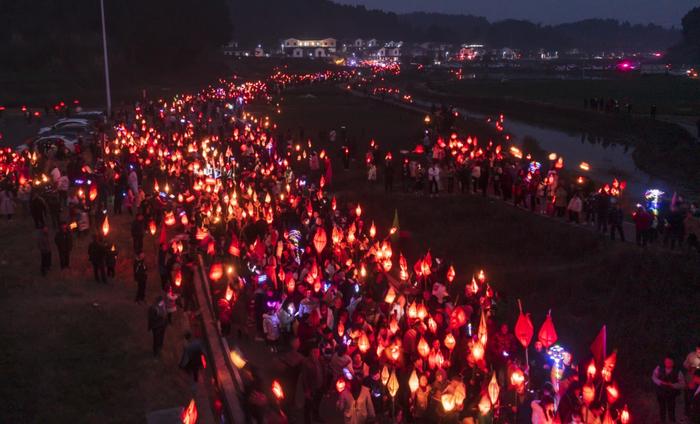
column 363, row 343
column 435, row 359
column 482, row 331
column 591, row 370
column 493, row 389
column 178, row 278
column 517, row 378
column 390, row 295
column 588, row 393
column 169, row 219
column 358, row 210
column 385, row 375
column 372, row 230
column 524, row 329
column 320, row 240
column 229, row 293
column 460, row 393
column 105, row 226
column 340, row 385
column 92, row 194
column 216, row 271
column 484, row 405
column 450, row 341
column 333, row 203
column 625, row 415
column 473, row 288
column 612, row 393
column 403, row 268
column 413, row 382
column 423, row 348
column 393, row 325
column 412, row 310
column 237, row 359
column 336, row 235
column 477, row 351
column 450, row 274
column 393, row 384
column 152, row 227
column 277, row 390
column 547, row 334
column 421, row 311
column 448, row 401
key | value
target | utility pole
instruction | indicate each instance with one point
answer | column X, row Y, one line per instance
column 104, row 48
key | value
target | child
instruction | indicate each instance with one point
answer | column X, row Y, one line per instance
column 271, row 328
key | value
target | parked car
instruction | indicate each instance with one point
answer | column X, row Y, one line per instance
column 96, row 117
column 66, row 123
column 45, row 144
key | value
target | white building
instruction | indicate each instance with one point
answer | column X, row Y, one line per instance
column 295, row 47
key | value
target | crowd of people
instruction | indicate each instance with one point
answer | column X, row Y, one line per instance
column 345, row 317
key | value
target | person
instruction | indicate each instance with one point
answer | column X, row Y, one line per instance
column 111, row 260
column 39, row 210
column 157, row 323
column 7, row 203
column 575, row 207
column 560, row 200
column 642, row 225
column 192, row 353
column 271, row 328
column 691, row 365
column 64, row 244
column 140, row 275
column 137, row 232
column 694, row 407
column 616, row 218
column 433, row 178
column 356, row 404
column 371, row 172
column 308, row 396
column 543, row 410
column 97, row 254
column 42, row 239
column 388, row 175
column 338, row 361
column 668, row 380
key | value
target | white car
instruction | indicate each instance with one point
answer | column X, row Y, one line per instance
column 66, row 123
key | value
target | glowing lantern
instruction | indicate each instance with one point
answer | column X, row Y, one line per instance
column 584, row 166
column 477, row 351
column 448, row 401
column 517, row 378
column 588, row 393
column 413, row 382
column 450, row 274
column 484, row 405
column 178, row 278
column 386, row 264
column 403, row 268
column 423, row 348
column 591, row 370
column 333, row 203
column 169, row 219
column 394, row 352
column 460, row 393
column 320, row 240
column 390, row 295
column 612, row 393
column 211, row 248
column 393, row 384
column 552, row 156
column 435, row 359
column 92, row 193
column 432, row 325
column 184, row 220
column 363, row 343
column 481, row 276
column 340, row 385
column 237, row 359
column 229, row 293
column 609, row 365
column 412, row 310
column 625, row 415
column 548, row 334
column 473, row 287
column 450, row 341
column 216, row 272
column 482, row 331
column 422, row 311
column 277, row 390
column 105, row 226
column 336, row 235
column 291, row 285
column 393, row 325
column 385, row 375
column 363, row 271
column 493, row 389
column 372, row 230
column 524, row 329
column 358, row 210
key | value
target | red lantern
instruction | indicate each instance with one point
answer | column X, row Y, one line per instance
column 449, row 341
column 178, row 278
column 92, row 193
column 625, row 415
column 358, row 210
column 548, row 334
column 152, row 227
column 229, row 293
column 363, row 343
column 105, row 226
column 216, row 272
column 277, row 390
column 340, row 385
column 588, row 393
column 450, row 274
column 423, row 348
column 524, row 329
column 591, row 370
column 320, row 240
column 612, row 393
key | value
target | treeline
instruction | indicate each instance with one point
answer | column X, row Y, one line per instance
column 267, row 21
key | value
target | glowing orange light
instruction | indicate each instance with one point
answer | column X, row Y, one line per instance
column 105, row 226
column 277, row 390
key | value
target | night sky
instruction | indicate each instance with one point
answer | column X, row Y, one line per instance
column 662, row 12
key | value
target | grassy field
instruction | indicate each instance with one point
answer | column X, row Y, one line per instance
column 77, row 351
column 672, row 95
column 647, row 298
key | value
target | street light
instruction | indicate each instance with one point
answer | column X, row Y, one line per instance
column 104, row 48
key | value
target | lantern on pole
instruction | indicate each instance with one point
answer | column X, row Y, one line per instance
column 517, row 378
column 482, row 332
column 625, row 415
column 450, row 341
column 547, row 334
column 216, row 271
column 320, row 240
column 493, row 389
column 524, row 329
column 413, row 382
column 448, row 401
column 340, row 385
column 591, row 370
column 277, row 390
column 612, row 393
column 358, row 211
column 393, row 385
column 477, row 351
column 152, row 227
column 484, row 405
column 105, row 226
column 423, row 348
column 450, row 274
column 588, row 393
column 385, row 375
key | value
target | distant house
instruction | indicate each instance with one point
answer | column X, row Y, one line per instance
column 231, row 49
column 372, row 42
column 359, row 43
column 295, row 47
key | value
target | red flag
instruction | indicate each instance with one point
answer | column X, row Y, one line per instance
column 548, row 334
column 599, row 347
